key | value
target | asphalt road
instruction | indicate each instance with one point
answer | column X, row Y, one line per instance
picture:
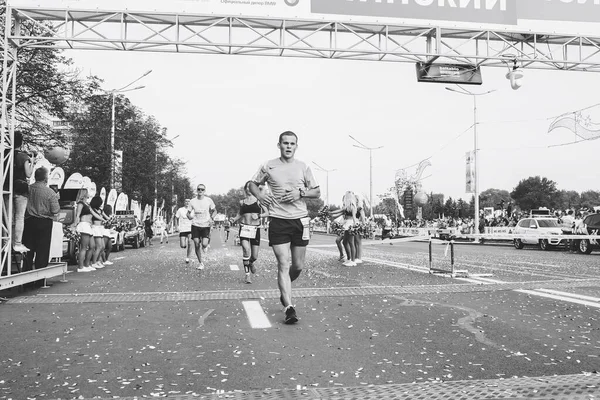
column 513, row 324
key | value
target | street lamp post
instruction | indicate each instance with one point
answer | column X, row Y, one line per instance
column 362, row 146
column 327, row 171
column 475, row 146
column 112, row 130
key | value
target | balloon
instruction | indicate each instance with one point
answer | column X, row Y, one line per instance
column 420, row 199
column 56, row 155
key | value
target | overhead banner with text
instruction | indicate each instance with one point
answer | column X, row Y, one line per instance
column 511, row 14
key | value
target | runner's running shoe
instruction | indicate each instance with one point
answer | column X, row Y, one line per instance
column 248, row 279
column 200, row 267
column 290, row 315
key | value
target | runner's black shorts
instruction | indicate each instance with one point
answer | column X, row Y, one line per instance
column 253, row 242
column 185, row 234
column 200, row 233
column 282, row 231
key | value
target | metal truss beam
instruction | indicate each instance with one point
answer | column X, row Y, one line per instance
column 8, row 61
column 210, row 34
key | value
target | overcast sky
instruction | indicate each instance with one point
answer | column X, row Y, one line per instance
column 229, row 110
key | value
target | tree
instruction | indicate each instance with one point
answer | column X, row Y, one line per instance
column 145, row 165
column 568, row 199
column 493, row 198
column 450, row 208
column 388, row 207
column 47, row 85
column 313, row 206
column 535, row 192
column 590, row 198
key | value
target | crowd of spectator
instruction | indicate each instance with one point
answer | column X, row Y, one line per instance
column 501, row 218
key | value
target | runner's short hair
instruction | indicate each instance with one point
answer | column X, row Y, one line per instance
column 287, row 133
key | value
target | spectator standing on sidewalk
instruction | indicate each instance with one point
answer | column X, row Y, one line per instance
column 185, row 230
column 42, row 209
column 107, row 240
column 148, row 230
column 22, row 170
column 290, row 182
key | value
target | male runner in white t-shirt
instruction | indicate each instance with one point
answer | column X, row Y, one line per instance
column 290, row 181
column 201, row 211
column 185, row 229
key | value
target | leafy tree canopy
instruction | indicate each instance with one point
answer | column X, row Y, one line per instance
column 535, row 192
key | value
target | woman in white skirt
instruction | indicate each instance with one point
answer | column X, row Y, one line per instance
column 83, row 222
column 98, row 219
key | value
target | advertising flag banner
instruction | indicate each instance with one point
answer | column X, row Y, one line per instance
column 92, row 189
column 470, row 175
column 86, row 183
column 75, row 181
column 57, row 177
column 121, row 202
column 112, row 199
column 103, row 195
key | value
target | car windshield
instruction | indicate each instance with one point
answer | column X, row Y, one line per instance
column 547, row 223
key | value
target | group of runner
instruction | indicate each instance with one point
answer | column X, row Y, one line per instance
column 290, row 182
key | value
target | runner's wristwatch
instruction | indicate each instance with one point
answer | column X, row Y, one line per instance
column 302, row 194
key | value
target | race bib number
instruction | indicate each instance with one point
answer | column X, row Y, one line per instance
column 305, row 228
column 248, row 232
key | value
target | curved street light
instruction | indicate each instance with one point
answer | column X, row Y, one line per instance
column 362, row 146
column 475, row 158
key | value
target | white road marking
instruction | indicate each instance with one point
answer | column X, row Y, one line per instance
column 118, row 258
column 203, row 317
column 234, row 267
column 551, row 294
column 573, row 295
column 561, row 298
column 256, row 315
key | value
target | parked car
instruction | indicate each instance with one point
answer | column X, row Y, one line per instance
column 133, row 229
column 591, row 226
column 532, row 227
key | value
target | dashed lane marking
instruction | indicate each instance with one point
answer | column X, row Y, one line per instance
column 234, row 267
column 256, row 315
